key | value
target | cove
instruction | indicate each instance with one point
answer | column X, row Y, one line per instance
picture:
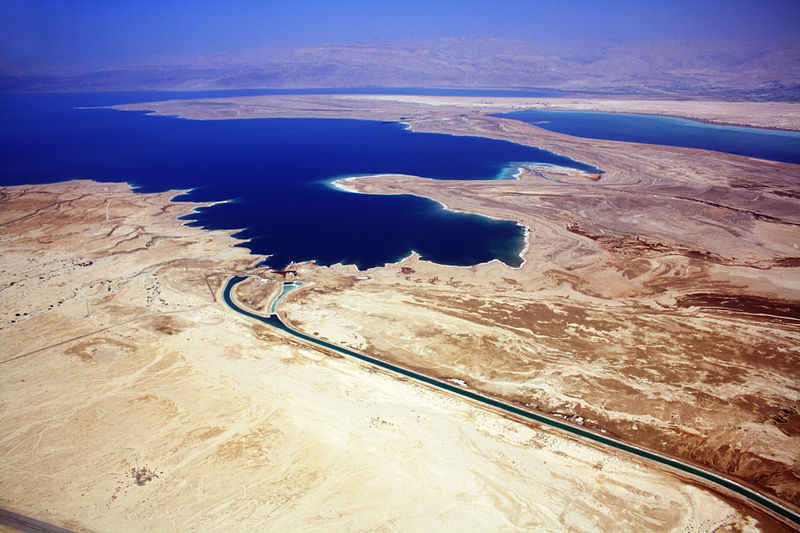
column 774, row 145
column 272, row 177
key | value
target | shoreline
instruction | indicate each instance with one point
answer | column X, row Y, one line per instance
column 685, row 116
column 341, row 184
column 777, row 116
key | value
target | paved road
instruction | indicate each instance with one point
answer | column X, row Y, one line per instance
column 27, row 524
column 748, row 493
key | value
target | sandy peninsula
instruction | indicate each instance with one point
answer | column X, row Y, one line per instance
column 659, row 304
column 773, row 115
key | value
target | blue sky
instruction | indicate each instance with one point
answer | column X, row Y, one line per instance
column 88, row 33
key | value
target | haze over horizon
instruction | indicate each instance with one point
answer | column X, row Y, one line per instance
column 610, row 45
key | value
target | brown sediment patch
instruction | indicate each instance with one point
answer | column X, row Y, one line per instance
column 100, row 349
column 262, row 332
column 142, row 475
column 786, row 262
column 253, row 447
column 756, row 306
column 167, row 324
column 787, row 419
column 630, row 244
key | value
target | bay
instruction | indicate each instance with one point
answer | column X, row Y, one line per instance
column 273, row 177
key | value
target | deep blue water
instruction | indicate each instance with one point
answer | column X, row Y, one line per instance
column 276, row 173
column 765, row 144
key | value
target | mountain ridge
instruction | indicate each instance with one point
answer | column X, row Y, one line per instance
column 734, row 68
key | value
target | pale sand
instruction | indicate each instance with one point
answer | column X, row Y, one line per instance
column 246, row 429
column 613, row 316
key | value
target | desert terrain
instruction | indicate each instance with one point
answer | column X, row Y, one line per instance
column 658, row 302
column 133, row 400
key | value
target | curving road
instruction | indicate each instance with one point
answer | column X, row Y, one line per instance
column 748, row 493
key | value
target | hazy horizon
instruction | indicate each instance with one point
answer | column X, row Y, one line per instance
column 81, row 35
column 724, row 49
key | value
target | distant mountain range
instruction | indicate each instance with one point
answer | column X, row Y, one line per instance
column 680, row 67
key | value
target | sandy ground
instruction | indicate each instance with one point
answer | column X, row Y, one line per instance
column 659, row 303
column 132, row 400
column 775, row 115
